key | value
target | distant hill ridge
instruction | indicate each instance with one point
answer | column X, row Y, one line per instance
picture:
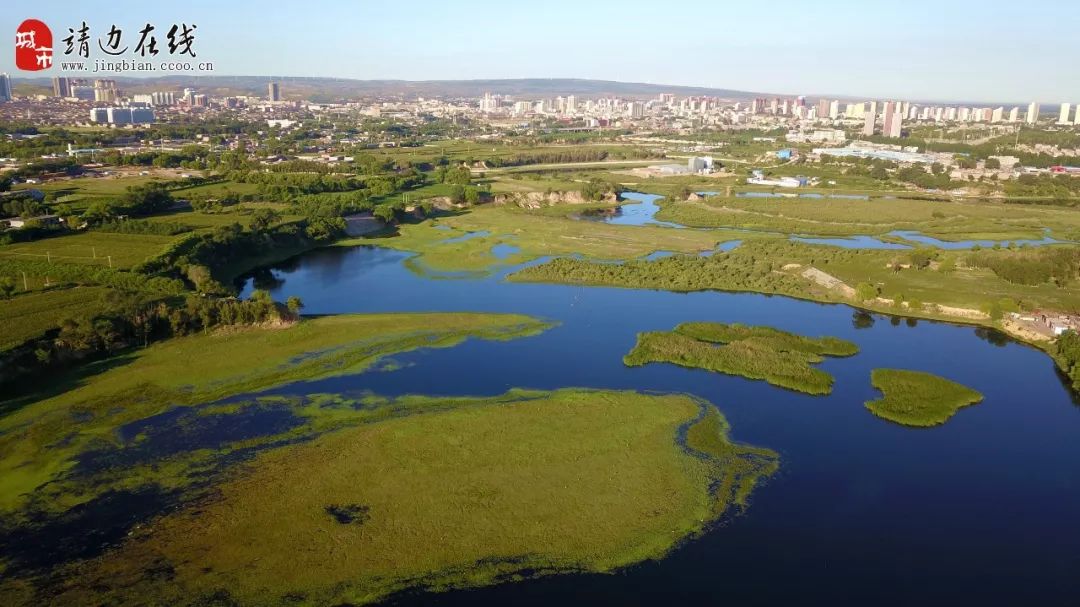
column 331, row 88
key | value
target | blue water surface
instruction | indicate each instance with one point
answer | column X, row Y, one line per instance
column 984, row 510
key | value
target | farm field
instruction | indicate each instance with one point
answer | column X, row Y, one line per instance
column 96, row 248
column 28, row 315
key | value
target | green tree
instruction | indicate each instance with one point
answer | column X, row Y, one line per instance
column 457, row 194
column 200, row 276
column 920, row 258
column 263, row 218
column 294, row 304
column 7, row 287
column 99, row 212
column 385, row 213
column 865, row 291
column 992, row 309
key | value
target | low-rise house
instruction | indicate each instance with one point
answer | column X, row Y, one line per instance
column 17, row 223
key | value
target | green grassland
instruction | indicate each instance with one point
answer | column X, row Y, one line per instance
column 29, row 315
column 444, row 493
column 126, row 250
column 460, row 150
column 92, row 187
column 947, row 220
column 41, row 441
column 913, row 398
column 82, row 191
column 775, row 266
column 536, row 234
column 218, row 189
column 240, row 213
column 778, row 357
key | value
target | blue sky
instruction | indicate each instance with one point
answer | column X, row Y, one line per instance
column 913, row 49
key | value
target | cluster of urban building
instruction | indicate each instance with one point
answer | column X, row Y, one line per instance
column 887, row 117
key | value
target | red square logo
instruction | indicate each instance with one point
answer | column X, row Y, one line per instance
column 33, row 46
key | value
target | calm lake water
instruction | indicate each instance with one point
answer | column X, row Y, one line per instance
column 983, row 510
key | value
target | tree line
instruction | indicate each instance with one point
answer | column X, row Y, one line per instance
column 132, row 319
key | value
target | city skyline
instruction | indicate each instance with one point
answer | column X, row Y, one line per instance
column 981, row 56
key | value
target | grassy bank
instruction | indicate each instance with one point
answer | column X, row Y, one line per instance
column 913, row 398
column 778, row 357
column 464, row 242
column 41, row 441
column 443, row 493
column 947, row 220
column 778, row 267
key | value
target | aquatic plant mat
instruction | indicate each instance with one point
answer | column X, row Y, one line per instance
column 914, row 398
column 778, row 357
column 383, row 495
column 170, row 476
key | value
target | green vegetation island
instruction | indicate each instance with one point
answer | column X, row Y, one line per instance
column 914, row 398
column 436, row 494
column 778, row 357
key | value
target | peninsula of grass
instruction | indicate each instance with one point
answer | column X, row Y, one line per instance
column 41, row 442
column 464, row 242
column 914, row 398
column 964, row 279
column 944, row 219
column 778, row 357
column 440, row 493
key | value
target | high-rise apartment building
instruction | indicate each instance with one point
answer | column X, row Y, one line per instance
column 1014, row 114
column 822, row 108
column 273, row 91
column 868, row 124
column 105, row 91
column 894, row 120
column 1032, row 113
column 5, row 87
column 61, row 86
column 1063, row 117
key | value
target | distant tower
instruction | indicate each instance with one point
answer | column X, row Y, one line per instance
column 1033, row 112
column 1063, row 117
column 822, row 108
column 274, row 91
column 5, row 87
column 887, row 117
column 61, row 86
column 868, row 124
